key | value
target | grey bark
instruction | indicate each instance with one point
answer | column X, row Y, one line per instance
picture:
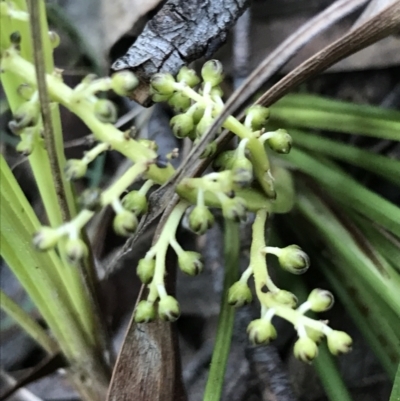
column 181, row 32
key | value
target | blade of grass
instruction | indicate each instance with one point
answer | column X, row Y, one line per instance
column 377, row 164
column 316, row 112
column 348, row 191
column 222, row 345
column 27, row 323
column 342, row 244
column 395, row 395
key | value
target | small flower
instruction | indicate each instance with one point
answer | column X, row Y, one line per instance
column 256, row 117
column 135, row 202
column 261, row 331
column 157, row 97
column 212, row 72
column 293, row 259
column 305, row 349
column 188, row 76
column 179, row 102
column 26, row 91
column 163, row 83
column 280, row 141
column 320, row 300
column 145, row 270
column 145, row 312
column 182, row 125
column 315, row 335
column 339, row 342
column 234, row 209
column 168, row 308
column 74, row 169
column 26, row 145
column 204, row 124
column 105, row 111
column 45, row 238
column 125, row 223
column 90, row 199
column 75, row 250
column 198, row 114
column 285, row 297
column 123, row 83
column 200, row 219
column 239, row 294
column 190, row 263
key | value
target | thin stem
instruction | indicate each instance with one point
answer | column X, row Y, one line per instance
column 29, row 325
column 222, row 345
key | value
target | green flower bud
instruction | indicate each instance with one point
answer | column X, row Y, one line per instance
column 158, row 98
column 74, row 169
column 145, row 312
column 125, row 223
column 285, row 297
column 261, row 331
column 242, row 172
column 339, row 342
column 190, row 263
column 315, row 335
column 45, row 238
column 168, row 308
column 320, row 300
column 75, row 250
column 135, row 202
column 25, row 91
column 198, row 114
column 212, row 72
column 294, row 260
column 210, row 150
column 204, row 124
column 163, row 83
column 182, row 125
column 145, row 270
column 90, row 199
column 200, row 219
column 239, row 294
column 105, row 111
column 305, row 349
column 225, row 160
column 258, row 116
column 179, row 102
column 27, row 115
column 188, row 76
column 54, row 38
column 234, row 209
column 280, row 141
column 123, row 83
column 216, row 91
column 26, row 145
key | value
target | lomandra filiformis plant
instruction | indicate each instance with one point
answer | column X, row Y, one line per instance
column 243, row 181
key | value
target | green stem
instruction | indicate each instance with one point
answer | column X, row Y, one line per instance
column 222, row 345
column 29, row 325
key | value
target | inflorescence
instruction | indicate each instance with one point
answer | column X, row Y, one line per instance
column 197, row 102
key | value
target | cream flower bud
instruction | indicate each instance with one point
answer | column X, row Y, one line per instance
column 75, row 250
column 182, row 125
column 163, row 83
column 280, row 141
column 315, row 335
column 204, row 124
column 285, row 297
column 212, row 72
column 123, row 83
column 190, row 262
column 239, row 294
column 168, row 308
column 45, row 238
column 200, row 219
column 305, row 349
column 125, row 223
column 145, row 312
column 320, row 300
column 258, row 116
column 294, row 260
column 135, row 202
column 339, row 342
column 261, row 331
column 145, row 270
column 105, row 111
column 188, row 76
column 74, row 169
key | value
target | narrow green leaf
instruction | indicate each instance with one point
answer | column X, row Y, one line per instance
column 395, row 395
